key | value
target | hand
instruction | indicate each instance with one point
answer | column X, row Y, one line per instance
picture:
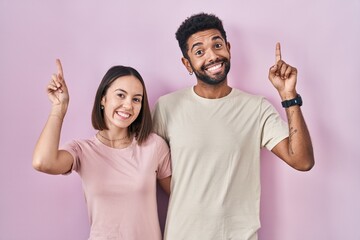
column 57, row 92
column 283, row 76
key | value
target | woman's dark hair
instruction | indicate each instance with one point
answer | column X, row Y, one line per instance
column 142, row 126
column 197, row 23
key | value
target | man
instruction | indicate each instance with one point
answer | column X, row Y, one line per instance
column 215, row 133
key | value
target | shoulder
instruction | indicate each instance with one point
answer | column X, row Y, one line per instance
column 251, row 102
column 247, row 98
column 153, row 145
column 246, row 95
column 166, row 104
column 174, row 96
column 79, row 144
column 155, row 139
column 87, row 141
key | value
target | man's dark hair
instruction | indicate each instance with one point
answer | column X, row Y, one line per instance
column 196, row 23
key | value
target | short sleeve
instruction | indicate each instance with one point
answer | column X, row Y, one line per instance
column 274, row 128
column 159, row 122
column 74, row 149
column 163, row 156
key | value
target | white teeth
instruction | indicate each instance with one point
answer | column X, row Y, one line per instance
column 214, row 67
column 125, row 115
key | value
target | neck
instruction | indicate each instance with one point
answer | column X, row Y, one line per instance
column 114, row 141
column 212, row 91
column 113, row 137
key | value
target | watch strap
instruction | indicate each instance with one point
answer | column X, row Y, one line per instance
column 292, row 102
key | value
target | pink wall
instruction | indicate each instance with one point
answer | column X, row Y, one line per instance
column 321, row 38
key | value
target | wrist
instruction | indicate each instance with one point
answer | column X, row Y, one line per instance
column 58, row 112
column 297, row 101
column 58, row 116
column 288, row 95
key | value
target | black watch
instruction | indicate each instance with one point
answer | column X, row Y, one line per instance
column 292, row 102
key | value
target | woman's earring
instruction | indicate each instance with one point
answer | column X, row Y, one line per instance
column 102, row 107
column 190, row 73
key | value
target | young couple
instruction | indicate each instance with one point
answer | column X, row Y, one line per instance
column 213, row 131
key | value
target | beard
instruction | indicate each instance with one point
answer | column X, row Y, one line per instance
column 218, row 78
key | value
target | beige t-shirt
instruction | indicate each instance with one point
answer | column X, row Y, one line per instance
column 215, row 152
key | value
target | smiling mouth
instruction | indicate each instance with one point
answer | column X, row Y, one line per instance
column 123, row 115
column 213, row 68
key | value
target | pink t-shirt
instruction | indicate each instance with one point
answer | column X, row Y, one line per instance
column 120, row 186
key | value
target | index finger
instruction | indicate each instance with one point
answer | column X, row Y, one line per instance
column 277, row 53
column 59, row 68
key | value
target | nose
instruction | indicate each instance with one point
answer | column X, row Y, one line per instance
column 127, row 104
column 211, row 56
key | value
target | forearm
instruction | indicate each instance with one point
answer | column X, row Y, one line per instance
column 300, row 150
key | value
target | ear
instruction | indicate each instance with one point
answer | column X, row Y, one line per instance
column 187, row 64
column 103, row 100
column 228, row 47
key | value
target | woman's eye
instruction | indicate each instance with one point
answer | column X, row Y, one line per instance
column 138, row 100
column 121, row 95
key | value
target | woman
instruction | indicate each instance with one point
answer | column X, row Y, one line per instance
column 119, row 165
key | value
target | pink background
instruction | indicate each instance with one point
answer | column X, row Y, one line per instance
column 320, row 37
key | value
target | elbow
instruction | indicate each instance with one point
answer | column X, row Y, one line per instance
column 306, row 165
column 306, row 168
column 40, row 165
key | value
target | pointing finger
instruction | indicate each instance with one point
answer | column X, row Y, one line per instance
column 59, row 68
column 277, row 53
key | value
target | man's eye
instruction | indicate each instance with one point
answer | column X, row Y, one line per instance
column 198, row 52
column 218, row 45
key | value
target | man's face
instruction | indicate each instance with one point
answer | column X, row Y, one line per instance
column 209, row 56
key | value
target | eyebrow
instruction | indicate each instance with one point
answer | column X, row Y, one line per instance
column 200, row 43
column 122, row 90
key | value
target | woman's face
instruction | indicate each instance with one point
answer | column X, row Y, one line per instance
column 122, row 102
